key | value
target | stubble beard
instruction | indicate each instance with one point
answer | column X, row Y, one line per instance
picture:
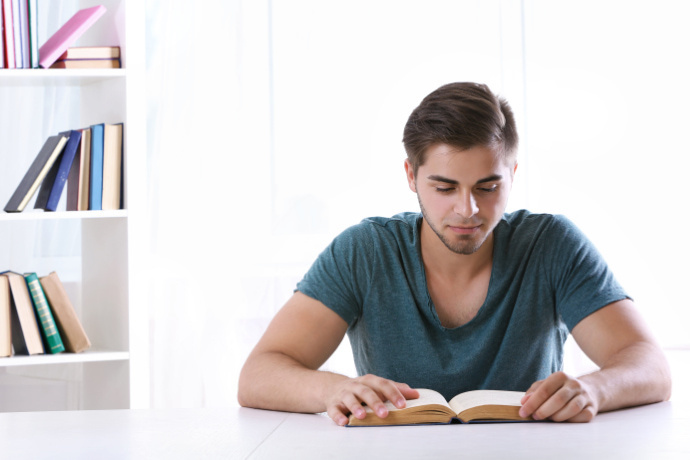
column 464, row 244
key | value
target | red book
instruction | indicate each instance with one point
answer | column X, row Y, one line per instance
column 68, row 34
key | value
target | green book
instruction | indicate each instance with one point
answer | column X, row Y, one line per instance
column 45, row 317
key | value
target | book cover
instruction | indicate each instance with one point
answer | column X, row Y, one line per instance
column 58, row 43
column 7, row 22
column 2, row 39
column 26, row 336
column 5, row 318
column 84, row 170
column 96, row 183
column 87, row 64
column 45, row 317
column 24, row 33
column 33, row 32
column 112, row 166
column 54, row 182
column 91, row 52
column 37, row 171
column 17, row 29
column 71, row 330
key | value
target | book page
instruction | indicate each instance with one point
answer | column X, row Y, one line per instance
column 425, row 397
column 464, row 401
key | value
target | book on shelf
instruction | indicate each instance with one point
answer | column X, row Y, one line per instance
column 26, row 336
column 91, row 52
column 96, row 169
column 84, row 170
column 432, row 408
column 5, row 318
column 37, row 171
column 8, row 32
column 17, row 29
column 33, row 33
column 86, row 64
column 71, row 330
column 2, row 38
column 61, row 40
column 51, row 335
column 112, row 166
column 18, row 34
column 54, row 182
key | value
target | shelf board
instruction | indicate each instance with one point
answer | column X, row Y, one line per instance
column 34, row 215
column 65, row 358
column 57, row 77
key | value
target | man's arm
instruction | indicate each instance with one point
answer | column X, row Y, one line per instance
column 281, row 373
column 633, row 370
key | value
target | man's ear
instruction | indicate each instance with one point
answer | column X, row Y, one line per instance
column 409, row 171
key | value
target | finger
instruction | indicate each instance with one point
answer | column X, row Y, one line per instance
column 338, row 414
column 578, row 409
column 386, row 390
column 540, row 392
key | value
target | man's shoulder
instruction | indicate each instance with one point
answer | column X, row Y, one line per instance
column 524, row 220
column 527, row 226
column 401, row 228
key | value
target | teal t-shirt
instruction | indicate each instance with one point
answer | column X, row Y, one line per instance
column 546, row 277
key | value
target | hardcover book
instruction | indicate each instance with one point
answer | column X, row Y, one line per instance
column 26, row 336
column 54, row 182
column 5, row 318
column 45, row 317
column 468, row 407
column 112, row 166
column 96, row 182
column 36, row 173
column 71, row 330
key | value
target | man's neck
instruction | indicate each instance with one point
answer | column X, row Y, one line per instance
column 445, row 263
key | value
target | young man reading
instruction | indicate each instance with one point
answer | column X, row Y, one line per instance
column 459, row 297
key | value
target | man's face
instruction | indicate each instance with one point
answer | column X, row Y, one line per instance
column 462, row 194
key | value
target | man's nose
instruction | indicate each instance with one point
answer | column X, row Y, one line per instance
column 466, row 206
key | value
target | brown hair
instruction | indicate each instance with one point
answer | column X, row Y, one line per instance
column 463, row 115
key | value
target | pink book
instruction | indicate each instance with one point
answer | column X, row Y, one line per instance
column 9, row 34
column 68, row 34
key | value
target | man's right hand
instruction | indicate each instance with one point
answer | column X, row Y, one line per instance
column 349, row 396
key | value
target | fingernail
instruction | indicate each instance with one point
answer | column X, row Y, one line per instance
column 381, row 411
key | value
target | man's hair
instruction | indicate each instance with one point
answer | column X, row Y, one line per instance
column 462, row 115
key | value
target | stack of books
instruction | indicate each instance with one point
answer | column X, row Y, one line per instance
column 88, row 161
column 19, row 40
column 89, row 57
column 37, row 316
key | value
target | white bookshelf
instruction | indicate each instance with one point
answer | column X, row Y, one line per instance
column 99, row 255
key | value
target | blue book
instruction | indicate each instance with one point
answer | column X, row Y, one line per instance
column 96, row 187
column 54, row 183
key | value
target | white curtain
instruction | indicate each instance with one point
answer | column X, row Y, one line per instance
column 273, row 125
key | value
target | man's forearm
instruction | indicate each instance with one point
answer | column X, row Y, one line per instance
column 638, row 374
column 278, row 382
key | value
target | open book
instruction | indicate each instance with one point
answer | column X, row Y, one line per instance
column 467, row 407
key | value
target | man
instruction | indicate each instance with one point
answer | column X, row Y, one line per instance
column 459, row 297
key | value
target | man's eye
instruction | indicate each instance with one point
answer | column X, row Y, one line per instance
column 488, row 189
column 443, row 190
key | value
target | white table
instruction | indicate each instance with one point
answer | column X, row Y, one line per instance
column 650, row 432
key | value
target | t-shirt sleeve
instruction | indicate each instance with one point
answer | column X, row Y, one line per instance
column 583, row 282
column 339, row 276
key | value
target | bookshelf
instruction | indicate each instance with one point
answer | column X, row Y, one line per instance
column 99, row 255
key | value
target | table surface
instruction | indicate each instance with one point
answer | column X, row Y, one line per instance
column 655, row 431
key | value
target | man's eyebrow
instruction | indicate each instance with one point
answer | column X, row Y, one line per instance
column 438, row 178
